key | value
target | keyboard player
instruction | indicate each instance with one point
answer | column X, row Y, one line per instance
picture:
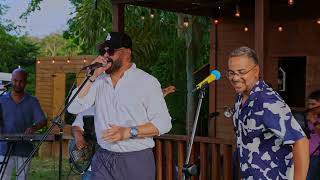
column 21, row 113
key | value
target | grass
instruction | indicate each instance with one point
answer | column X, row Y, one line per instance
column 48, row 169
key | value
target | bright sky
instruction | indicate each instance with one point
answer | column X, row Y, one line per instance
column 52, row 17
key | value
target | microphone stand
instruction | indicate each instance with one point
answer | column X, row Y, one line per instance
column 10, row 146
column 5, row 90
column 190, row 170
column 57, row 121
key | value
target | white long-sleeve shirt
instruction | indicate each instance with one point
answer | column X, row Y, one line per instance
column 136, row 99
column 79, row 119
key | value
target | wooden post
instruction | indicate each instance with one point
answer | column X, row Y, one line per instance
column 203, row 161
column 59, row 90
column 169, row 160
column 215, row 172
column 213, row 87
column 227, row 162
column 181, row 159
column 159, row 159
column 118, row 17
column 260, row 33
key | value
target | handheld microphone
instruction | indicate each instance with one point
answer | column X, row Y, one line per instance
column 95, row 65
column 214, row 75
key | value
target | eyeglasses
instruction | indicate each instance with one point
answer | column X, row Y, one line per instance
column 230, row 74
column 109, row 51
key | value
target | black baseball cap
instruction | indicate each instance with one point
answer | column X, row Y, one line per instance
column 115, row 40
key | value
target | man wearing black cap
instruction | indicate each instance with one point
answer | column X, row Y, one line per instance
column 130, row 110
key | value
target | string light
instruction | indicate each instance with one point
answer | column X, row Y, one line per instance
column 216, row 21
column 142, row 16
column 318, row 21
column 280, row 28
column 246, row 29
column 53, row 61
column 237, row 13
column 290, row 2
column 152, row 14
column 185, row 21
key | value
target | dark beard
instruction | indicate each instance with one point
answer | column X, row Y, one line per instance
column 116, row 65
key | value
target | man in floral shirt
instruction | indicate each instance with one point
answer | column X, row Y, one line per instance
column 270, row 142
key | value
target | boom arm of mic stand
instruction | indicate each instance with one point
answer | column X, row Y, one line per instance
column 4, row 92
column 56, row 121
column 187, row 167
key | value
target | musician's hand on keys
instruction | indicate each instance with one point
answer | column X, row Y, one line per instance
column 116, row 133
column 100, row 70
column 30, row 130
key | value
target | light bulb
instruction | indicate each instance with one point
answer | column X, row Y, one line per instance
column 185, row 21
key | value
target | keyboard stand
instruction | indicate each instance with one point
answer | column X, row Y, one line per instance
column 6, row 158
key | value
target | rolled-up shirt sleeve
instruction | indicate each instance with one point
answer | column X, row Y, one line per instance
column 157, row 111
column 38, row 115
column 80, row 104
column 279, row 119
column 78, row 121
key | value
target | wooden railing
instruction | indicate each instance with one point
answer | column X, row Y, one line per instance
column 213, row 155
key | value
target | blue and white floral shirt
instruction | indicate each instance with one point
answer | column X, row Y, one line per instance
column 266, row 130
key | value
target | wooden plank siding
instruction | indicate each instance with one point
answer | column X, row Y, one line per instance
column 50, row 80
column 50, row 90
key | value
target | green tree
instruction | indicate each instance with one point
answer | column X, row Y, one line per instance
column 55, row 45
column 90, row 24
column 16, row 51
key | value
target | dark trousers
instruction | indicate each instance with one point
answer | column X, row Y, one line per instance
column 314, row 168
column 138, row 165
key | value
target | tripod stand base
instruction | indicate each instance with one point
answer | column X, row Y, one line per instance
column 190, row 170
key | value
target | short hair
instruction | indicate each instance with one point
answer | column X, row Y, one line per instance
column 20, row 71
column 315, row 95
column 245, row 51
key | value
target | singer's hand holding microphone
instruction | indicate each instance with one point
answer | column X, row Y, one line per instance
column 98, row 65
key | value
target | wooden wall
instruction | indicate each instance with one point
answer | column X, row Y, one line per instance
column 51, row 80
column 51, row 91
column 298, row 38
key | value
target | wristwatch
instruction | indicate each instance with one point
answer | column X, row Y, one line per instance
column 134, row 132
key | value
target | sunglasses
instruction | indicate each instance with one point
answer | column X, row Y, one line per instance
column 109, row 51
